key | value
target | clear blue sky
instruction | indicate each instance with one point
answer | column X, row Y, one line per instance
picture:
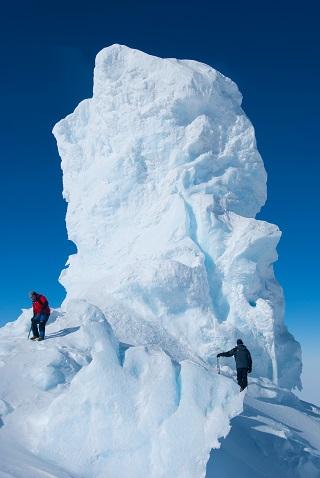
column 270, row 49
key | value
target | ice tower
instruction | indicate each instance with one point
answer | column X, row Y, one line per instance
column 163, row 181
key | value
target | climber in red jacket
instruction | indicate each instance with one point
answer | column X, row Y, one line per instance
column 41, row 313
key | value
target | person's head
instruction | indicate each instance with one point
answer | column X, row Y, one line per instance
column 239, row 342
column 32, row 295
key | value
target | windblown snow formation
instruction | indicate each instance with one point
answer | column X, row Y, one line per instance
column 163, row 181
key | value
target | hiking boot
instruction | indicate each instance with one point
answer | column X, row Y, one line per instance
column 40, row 338
column 34, row 338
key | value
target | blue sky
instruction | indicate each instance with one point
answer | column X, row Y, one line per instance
column 47, row 55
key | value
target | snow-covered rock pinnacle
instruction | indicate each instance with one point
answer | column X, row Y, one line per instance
column 163, row 180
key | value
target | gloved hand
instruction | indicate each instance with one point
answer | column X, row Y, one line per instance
column 249, row 370
column 218, row 355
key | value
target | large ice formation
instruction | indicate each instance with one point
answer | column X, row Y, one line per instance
column 163, row 181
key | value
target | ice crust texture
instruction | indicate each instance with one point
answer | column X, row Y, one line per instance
column 163, row 181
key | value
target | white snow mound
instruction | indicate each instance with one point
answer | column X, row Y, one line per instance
column 82, row 406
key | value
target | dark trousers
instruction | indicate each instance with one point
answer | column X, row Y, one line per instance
column 41, row 320
column 242, row 377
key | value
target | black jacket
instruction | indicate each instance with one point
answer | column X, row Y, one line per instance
column 242, row 356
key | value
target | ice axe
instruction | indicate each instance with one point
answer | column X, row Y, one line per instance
column 30, row 329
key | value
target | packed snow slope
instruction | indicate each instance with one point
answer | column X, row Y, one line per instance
column 276, row 436
column 81, row 405
column 163, row 180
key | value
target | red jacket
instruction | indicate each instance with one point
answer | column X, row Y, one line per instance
column 40, row 305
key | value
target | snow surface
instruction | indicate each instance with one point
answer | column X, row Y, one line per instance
column 277, row 435
column 163, row 181
column 81, row 405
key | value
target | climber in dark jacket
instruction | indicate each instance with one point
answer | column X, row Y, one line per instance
column 243, row 362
